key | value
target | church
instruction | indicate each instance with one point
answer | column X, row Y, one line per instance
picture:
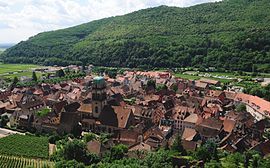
column 101, row 116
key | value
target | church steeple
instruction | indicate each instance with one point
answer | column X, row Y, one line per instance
column 99, row 96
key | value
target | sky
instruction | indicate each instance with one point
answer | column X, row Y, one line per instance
column 21, row 19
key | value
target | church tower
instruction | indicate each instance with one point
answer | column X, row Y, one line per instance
column 99, row 96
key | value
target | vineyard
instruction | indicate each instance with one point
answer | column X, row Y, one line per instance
column 19, row 162
column 24, row 146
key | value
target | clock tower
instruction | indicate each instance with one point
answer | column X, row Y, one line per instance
column 99, row 96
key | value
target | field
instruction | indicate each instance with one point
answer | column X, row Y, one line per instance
column 24, row 146
column 195, row 77
column 11, row 70
column 19, row 162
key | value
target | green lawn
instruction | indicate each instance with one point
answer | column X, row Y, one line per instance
column 24, row 145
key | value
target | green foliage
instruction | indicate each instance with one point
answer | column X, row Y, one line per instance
column 118, row 151
column 89, row 137
column 4, row 120
column 60, row 73
column 54, row 138
column 230, row 34
column 177, row 146
column 207, row 152
column 74, row 150
column 233, row 160
column 69, row 164
column 43, row 112
column 24, row 145
column 20, row 162
column 159, row 159
column 15, row 80
column 151, row 83
column 34, row 76
column 161, row 87
column 241, row 108
column 263, row 92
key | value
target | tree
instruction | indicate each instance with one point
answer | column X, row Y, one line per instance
column 34, row 76
column 112, row 74
column 60, row 73
column 4, row 120
column 213, row 164
column 177, row 145
column 233, row 160
column 15, row 80
column 75, row 150
column 159, row 159
column 118, row 151
column 69, row 164
column 207, row 152
column 241, row 107
column 151, row 83
column 89, row 137
column 54, row 138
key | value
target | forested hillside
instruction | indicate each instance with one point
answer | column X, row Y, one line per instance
column 232, row 34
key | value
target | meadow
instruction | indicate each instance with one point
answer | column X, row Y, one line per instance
column 24, row 146
column 12, row 70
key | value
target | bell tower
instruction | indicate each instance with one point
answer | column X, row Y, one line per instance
column 99, row 96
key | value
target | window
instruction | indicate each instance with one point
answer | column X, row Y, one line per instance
column 96, row 109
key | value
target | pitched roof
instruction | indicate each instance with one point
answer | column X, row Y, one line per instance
column 228, row 125
column 95, row 147
column 188, row 134
column 192, row 118
column 122, row 115
column 209, row 81
column 255, row 102
column 200, row 84
column 140, row 147
column 189, row 145
column 86, row 108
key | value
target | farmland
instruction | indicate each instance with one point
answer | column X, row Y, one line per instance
column 11, row 70
column 24, row 146
column 20, row 162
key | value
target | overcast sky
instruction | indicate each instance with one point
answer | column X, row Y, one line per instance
column 20, row 19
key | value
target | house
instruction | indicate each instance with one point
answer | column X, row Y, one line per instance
column 189, row 134
column 140, row 146
column 210, row 82
column 69, row 118
column 184, row 117
column 201, row 85
column 96, row 147
column 209, row 129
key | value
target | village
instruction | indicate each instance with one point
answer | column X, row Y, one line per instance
column 142, row 110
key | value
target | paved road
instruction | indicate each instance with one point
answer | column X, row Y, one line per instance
column 5, row 132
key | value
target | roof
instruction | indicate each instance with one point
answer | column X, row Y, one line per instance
column 188, row 134
column 192, row 118
column 228, row 125
column 116, row 116
column 209, row 127
column 122, row 115
column 140, row 147
column 95, row 147
column 86, row 108
column 201, row 84
column 255, row 102
column 189, row 145
column 209, row 81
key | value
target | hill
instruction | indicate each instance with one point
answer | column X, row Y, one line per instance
column 232, row 34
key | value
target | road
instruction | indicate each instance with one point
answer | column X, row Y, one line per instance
column 5, row 132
